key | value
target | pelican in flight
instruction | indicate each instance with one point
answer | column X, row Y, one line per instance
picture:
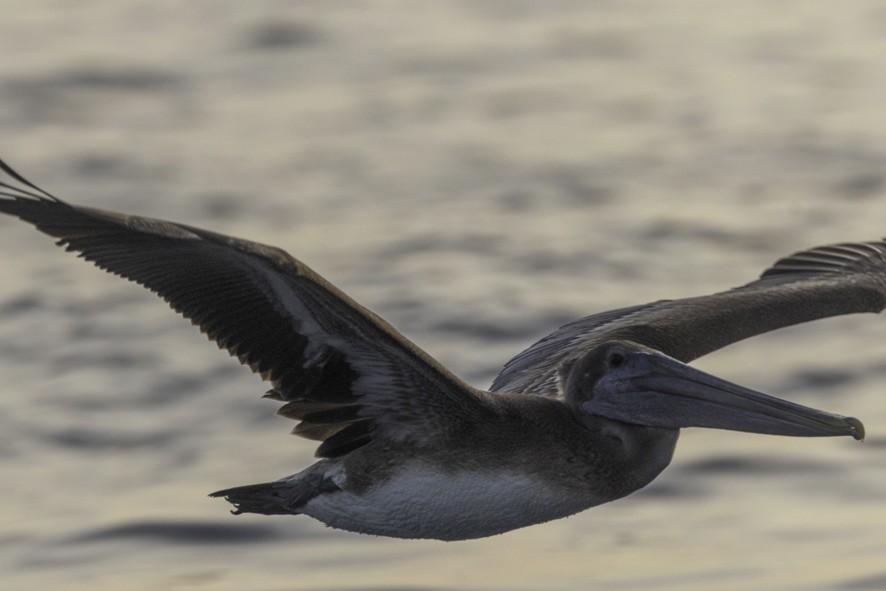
column 587, row 415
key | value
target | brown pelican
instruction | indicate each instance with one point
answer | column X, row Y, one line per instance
column 587, row 415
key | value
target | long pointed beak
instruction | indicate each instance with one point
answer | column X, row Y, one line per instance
column 650, row 388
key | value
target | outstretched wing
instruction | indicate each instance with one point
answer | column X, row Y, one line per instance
column 817, row 283
column 345, row 373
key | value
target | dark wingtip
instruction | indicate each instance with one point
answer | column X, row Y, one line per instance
column 41, row 193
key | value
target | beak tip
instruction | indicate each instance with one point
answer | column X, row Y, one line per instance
column 856, row 427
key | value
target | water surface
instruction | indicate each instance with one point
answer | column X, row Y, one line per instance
column 477, row 173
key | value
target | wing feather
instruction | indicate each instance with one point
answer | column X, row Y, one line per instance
column 817, row 283
column 337, row 366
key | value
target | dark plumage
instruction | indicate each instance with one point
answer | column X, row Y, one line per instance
column 586, row 415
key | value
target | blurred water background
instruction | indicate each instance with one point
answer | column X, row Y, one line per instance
column 478, row 173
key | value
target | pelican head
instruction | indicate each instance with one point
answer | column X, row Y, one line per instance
column 630, row 383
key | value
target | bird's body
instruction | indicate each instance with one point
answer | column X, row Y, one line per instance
column 587, row 415
column 524, row 461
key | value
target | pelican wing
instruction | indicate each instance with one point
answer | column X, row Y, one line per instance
column 345, row 373
column 817, row 283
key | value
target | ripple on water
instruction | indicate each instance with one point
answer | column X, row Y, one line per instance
column 832, row 380
column 106, row 439
column 872, row 583
column 754, row 466
column 180, row 532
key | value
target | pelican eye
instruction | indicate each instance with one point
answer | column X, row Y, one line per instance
column 615, row 359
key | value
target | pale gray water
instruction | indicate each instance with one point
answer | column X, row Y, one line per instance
column 478, row 173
